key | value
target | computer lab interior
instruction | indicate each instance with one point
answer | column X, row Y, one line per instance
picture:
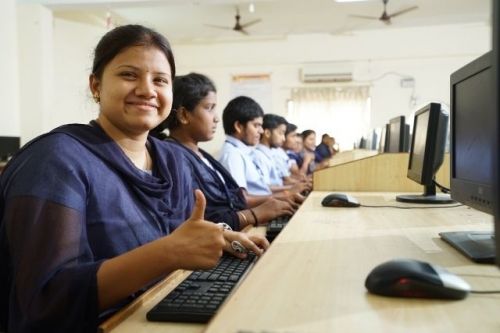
column 414, row 182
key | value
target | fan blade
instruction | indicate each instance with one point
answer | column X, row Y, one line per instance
column 250, row 23
column 244, row 32
column 403, row 11
column 365, row 17
column 218, row 26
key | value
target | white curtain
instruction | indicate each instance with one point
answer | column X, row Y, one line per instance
column 342, row 112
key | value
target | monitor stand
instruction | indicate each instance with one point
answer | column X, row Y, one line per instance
column 428, row 197
column 479, row 246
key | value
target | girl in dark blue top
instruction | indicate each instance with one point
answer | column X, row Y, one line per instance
column 90, row 215
column 194, row 121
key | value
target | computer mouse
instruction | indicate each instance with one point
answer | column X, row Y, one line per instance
column 413, row 278
column 339, row 200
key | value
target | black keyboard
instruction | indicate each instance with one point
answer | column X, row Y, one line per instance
column 275, row 226
column 201, row 294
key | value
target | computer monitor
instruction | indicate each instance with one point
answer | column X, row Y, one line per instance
column 9, row 145
column 384, row 139
column 407, row 138
column 375, row 142
column 496, row 105
column 474, row 145
column 362, row 143
column 396, row 135
column 430, row 127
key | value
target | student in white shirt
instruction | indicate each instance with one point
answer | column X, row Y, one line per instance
column 242, row 122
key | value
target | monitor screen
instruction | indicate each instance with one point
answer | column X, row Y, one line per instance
column 474, row 142
column 9, row 145
column 472, row 133
column 427, row 153
column 496, row 105
column 396, row 135
column 362, row 143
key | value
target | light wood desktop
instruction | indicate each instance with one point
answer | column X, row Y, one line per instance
column 350, row 155
column 312, row 277
column 381, row 172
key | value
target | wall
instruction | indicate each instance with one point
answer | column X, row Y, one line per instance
column 9, row 85
column 429, row 54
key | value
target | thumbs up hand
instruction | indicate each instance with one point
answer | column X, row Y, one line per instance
column 197, row 243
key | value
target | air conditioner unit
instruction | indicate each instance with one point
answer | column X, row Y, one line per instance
column 326, row 73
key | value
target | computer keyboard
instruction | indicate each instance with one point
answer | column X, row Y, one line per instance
column 275, row 226
column 201, row 294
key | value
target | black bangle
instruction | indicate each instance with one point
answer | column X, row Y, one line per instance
column 254, row 217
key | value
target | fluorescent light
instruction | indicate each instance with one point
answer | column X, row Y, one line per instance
column 251, row 7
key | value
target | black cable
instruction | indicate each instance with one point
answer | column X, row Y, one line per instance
column 485, row 291
column 441, row 187
column 412, row 207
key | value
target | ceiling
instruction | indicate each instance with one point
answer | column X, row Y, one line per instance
column 186, row 20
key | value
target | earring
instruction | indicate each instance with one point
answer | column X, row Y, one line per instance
column 97, row 99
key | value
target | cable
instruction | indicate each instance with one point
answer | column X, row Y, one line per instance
column 412, row 207
column 441, row 187
column 485, row 291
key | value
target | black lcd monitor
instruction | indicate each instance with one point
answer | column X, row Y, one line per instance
column 9, row 145
column 384, row 139
column 407, row 138
column 473, row 150
column 374, row 140
column 430, row 128
column 396, row 135
column 496, row 106
column 362, row 143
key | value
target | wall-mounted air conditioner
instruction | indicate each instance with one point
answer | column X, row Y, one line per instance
column 326, row 73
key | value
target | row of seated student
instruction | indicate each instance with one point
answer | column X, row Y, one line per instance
column 85, row 205
column 304, row 156
column 232, row 196
column 91, row 215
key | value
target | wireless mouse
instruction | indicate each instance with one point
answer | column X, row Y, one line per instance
column 339, row 200
column 418, row 279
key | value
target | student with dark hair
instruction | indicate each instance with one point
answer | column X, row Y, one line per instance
column 195, row 120
column 324, row 150
column 308, row 153
column 273, row 137
column 288, row 156
column 242, row 120
column 91, row 215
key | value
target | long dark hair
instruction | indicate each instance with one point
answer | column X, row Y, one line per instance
column 125, row 36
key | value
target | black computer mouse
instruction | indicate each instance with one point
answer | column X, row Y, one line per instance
column 339, row 200
column 413, row 278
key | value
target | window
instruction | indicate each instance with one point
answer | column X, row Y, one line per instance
column 342, row 112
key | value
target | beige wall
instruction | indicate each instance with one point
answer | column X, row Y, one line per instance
column 9, row 89
column 429, row 54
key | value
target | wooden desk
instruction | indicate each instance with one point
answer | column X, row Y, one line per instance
column 350, row 156
column 312, row 278
column 377, row 173
column 133, row 318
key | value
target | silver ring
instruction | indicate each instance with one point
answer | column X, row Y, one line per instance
column 237, row 247
column 225, row 226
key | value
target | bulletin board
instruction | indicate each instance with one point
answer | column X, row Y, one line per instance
column 255, row 86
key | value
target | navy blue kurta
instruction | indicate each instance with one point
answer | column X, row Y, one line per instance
column 69, row 200
column 224, row 198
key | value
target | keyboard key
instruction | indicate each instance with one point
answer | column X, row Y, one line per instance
column 199, row 297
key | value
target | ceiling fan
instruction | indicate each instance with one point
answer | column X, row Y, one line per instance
column 239, row 27
column 386, row 18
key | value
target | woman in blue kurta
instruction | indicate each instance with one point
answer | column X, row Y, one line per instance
column 93, row 214
column 194, row 121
